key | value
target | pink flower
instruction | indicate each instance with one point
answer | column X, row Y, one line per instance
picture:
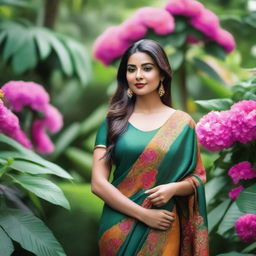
column 148, row 156
column 225, row 39
column 219, row 130
column 148, row 178
column 213, row 131
column 246, row 227
column 9, row 125
column 20, row 94
column 234, row 193
column 242, row 170
column 189, row 8
column 157, row 19
column 53, row 122
column 115, row 40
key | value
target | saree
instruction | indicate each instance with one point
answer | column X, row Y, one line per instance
column 168, row 154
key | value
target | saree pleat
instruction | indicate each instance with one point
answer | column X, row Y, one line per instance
column 172, row 155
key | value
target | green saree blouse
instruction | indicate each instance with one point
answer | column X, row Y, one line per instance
column 145, row 159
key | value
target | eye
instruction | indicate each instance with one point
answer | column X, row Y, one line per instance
column 147, row 68
column 130, row 70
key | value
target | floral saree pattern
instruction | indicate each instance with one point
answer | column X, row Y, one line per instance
column 172, row 155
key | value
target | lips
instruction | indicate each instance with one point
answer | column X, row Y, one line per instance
column 139, row 85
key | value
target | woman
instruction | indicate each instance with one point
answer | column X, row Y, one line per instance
column 155, row 204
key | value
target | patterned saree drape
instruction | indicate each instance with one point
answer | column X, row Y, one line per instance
column 172, row 155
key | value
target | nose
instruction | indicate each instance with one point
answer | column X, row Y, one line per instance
column 138, row 74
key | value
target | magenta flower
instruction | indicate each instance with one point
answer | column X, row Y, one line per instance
column 246, row 227
column 234, row 193
column 213, row 131
column 242, row 171
column 148, row 156
column 115, row 40
column 243, row 120
column 219, row 130
column 9, row 125
column 20, row 94
column 53, row 123
column 203, row 20
column 189, row 8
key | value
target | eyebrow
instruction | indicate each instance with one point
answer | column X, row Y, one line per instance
column 144, row 64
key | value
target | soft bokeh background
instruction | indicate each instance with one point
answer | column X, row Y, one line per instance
column 50, row 42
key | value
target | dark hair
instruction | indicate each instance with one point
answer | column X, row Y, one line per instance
column 121, row 106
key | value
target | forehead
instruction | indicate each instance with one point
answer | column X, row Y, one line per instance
column 139, row 58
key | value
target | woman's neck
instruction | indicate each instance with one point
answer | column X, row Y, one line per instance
column 147, row 104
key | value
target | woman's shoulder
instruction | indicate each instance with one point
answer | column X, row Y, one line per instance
column 186, row 117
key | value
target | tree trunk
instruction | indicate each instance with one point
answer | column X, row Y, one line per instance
column 50, row 13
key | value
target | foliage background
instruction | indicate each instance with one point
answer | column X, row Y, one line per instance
column 83, row 100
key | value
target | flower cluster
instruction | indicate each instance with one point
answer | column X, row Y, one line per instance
column 203, row 20
column 20, row 94
column 9, row 125
column 242, row 170
column 234, row 193
column 115, row 40
column 219, row 130
column 246, row 227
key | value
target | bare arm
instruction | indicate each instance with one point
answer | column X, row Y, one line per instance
column 109, row 193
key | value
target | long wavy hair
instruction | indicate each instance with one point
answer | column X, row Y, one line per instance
column 120, row 105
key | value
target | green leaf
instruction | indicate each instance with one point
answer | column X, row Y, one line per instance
column 215, row 50
column 16, row 37
column 214, row 186
column 30, row 232
column 43, row 188
column 177, row 39
column 215, row 215
column 65, row 139
column 30, row 167
column 246, row 200
column 6, row 248
column 206, row 68
column 229, row 219
column 30, row 156
column 250, row 248
column 249, row 96
column 60, row 50
column 80, row 59
column 42, row 43
column 215, row 104
column 180, row 24
column 25, row 57
column 176, row 59
column 217, row 88
column 15, row 3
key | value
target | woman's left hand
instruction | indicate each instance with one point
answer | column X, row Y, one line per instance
column 161, row 194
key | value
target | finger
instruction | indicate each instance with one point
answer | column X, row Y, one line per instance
column 155, row 199
column 152, row 196
column 152, row 190
column 170, row 218
column 164, row 226
column 169, row 213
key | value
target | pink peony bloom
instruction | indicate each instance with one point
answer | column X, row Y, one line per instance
column 242, row 170
column 9, row 125
column 203, row 20
column 246, row 227
column 20, row 94
column 243, row 120
column 234, row 193
column 157, row 19
column 148, row 156
column 213, row 132
column 115, row 40
column 189, row 8
column 219, row 130
column 53, row 122
column 207, row 22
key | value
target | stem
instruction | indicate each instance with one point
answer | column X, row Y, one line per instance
column 50, row 14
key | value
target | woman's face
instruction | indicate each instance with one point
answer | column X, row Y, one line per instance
column 142, row 74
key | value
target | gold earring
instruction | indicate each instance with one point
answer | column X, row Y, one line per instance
column 129, row 93
column 161, row 90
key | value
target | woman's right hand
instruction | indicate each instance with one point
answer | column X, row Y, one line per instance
column 158, row 218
